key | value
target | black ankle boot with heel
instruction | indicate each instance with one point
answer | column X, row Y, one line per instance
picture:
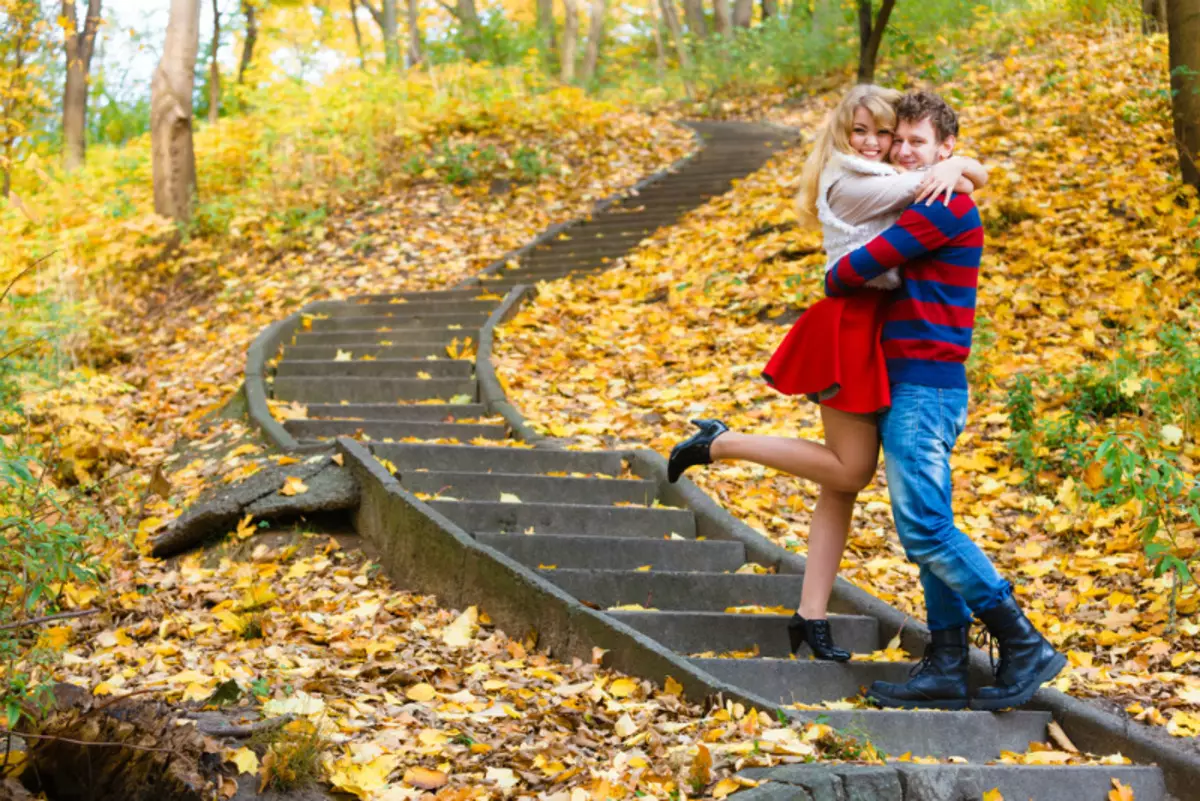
column 818, row 636
column 695, row 449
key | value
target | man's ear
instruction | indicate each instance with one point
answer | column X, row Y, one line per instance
column 946, row 148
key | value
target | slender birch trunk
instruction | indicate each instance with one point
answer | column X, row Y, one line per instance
column 250, row 11
column 172, row 153
column 722, row 17
column 743, row 12
column 79, row 45
column 591, row 56
column 693, row 12
column 1183, row 26
column 570, row 39
column 214, row 71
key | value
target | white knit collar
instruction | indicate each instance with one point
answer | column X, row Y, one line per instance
column 853, row 163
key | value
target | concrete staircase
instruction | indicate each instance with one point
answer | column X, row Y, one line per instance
column 584, row 524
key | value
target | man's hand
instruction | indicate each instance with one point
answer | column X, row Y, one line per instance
column 885, row 282
column 941, row 178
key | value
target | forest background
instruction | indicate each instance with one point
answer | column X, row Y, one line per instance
column 342, row 147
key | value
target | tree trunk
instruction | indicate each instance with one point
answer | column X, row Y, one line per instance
column 79, row 44
column 660, row 56
column 1154, row 16
column 693, row 12
column 172, row 156
column 673, row 26
column 770, row 8
column 390, row 26
column 591, row 56
column 570, row 39
column 870, row 36
column 249, row 10
column 214, row 71
column 722, row 17
column 1183, row 25
column 468, row 18
column 414, row 34
column 362, row 53
column 743, row 12
column 545, row 25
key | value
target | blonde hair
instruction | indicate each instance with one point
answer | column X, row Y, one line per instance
column 835, row 135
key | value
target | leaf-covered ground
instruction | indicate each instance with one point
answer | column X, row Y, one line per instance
column 1089, row 237
column 412, row 695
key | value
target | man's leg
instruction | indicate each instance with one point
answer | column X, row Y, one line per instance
column 958, row 578
column 941, row 682
column 918, row 436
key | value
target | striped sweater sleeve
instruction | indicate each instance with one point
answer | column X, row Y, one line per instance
column 919, row 231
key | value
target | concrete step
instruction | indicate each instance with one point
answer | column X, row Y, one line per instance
column 698, row 632
column 376, row 368
column 348, row 340
column 804, row 681
column 532, row 488
column 531, row 280
column 625, row 234
column 976, row 736
column 411, row 412
column 565, row 518
column 436, row 295
column 470, row 322
column 567, row 551
column 901, row 781
column 374, row 350
column 550, row 269
column 711, row 592
column 476, row 459
column 645, row 220
column 371, row 390
column 359, row 308
column 393, row 429
column 577, row 255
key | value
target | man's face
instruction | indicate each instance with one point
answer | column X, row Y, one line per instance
column 916, row 145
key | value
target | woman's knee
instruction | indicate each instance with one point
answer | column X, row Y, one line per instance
column 856, row 477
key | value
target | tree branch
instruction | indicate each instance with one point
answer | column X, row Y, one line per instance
column 249, row 730
column 87, row 39
column 377, row 13
column 37, row 621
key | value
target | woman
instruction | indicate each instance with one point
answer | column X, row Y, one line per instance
column 833, row 355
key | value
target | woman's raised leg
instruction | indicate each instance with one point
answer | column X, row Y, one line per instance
column 846, row 462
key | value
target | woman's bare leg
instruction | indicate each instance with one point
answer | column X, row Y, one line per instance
column 846, row 462
column 826, row 543
column 855, row 440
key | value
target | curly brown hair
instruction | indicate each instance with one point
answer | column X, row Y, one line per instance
column 917, row 106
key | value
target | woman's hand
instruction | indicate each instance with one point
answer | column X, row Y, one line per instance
column 941, row 178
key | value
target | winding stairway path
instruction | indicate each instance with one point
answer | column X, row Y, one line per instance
column 597, row 529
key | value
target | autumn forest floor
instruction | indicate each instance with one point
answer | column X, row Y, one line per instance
column 1076, row 130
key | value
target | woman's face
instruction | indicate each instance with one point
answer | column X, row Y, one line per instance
column 868, row 140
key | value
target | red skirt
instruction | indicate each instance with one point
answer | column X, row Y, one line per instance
column 833, row 355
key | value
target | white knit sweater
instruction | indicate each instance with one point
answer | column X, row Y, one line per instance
column 840, row 236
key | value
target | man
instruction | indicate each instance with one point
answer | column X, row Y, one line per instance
column 926, row 340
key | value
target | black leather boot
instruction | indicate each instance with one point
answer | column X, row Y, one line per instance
column 1027, row 659
column 818, row 636
column 694, row 450
column 938, row 682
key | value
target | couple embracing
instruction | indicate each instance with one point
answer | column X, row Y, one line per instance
column 884, row 355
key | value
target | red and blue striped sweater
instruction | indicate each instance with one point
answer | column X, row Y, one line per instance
column 930, row 318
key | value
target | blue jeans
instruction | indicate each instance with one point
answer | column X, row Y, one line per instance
column 919, row 432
